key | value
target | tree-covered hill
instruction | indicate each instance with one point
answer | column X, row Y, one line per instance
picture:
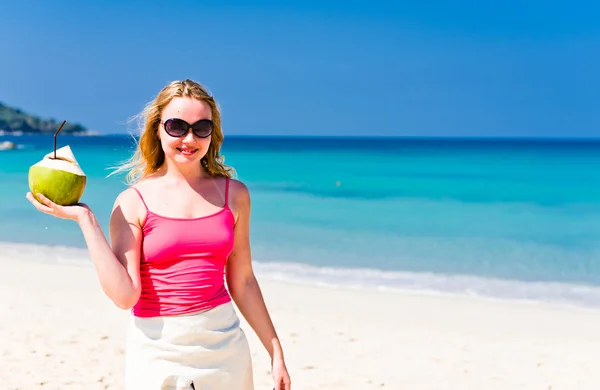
column 14, row 120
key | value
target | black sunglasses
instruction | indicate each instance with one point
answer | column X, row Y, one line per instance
column 176, row 127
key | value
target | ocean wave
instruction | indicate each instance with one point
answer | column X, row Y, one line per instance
column 432, row 283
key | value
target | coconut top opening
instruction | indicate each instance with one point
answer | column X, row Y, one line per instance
column 64, row 161
column 62, row 158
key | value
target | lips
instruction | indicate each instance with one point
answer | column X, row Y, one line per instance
column 187, row 151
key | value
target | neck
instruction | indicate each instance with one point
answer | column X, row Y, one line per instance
column 190, row 173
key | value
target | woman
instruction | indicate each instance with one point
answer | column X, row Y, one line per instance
column 179, row 233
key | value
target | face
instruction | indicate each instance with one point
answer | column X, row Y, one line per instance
column 188, row 148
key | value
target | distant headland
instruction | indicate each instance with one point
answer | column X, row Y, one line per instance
column 14, row 121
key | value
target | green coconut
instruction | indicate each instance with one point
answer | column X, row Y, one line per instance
column 59, row 179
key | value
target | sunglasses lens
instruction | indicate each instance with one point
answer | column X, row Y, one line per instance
column 203, row 128
column 176, row 127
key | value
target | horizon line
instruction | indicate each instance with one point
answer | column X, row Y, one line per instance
column 346, row 136
column 394, row 137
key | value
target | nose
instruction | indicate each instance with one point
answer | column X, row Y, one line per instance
column 189, row 136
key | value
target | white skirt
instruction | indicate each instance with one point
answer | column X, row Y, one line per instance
column 203, row 351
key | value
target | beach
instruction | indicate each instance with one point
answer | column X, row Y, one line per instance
column 59, row 331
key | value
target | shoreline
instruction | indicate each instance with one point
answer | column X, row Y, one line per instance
column 315, row 276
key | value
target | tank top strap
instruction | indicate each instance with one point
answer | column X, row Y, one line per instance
column 226, row 192
column 140, row 195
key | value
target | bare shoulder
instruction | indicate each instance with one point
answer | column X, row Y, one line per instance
column 238, row 190
column 130, row 206
column 239, row 196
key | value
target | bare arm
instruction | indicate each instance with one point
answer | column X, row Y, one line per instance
column 117, row 268
column 242, row 283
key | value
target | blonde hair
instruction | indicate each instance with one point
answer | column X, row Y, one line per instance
column 149, row 156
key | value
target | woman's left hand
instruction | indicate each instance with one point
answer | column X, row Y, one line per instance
column 280, row 375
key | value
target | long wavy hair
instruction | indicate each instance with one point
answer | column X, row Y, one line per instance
column 149, row 155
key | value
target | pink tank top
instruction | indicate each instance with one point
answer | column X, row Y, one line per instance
column 182, row 262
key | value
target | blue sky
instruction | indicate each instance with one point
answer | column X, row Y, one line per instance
column 496, row 68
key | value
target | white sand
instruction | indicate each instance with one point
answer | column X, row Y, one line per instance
column 59, row 331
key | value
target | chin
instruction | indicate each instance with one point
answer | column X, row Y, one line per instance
column 184, row 160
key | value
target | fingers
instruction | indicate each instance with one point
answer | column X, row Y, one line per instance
column 47, row 201
column 46, row 207
column 284, row 383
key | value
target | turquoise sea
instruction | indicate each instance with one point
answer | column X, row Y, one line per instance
column 502, row 218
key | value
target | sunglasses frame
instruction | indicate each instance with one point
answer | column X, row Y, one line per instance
column 189, row 127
